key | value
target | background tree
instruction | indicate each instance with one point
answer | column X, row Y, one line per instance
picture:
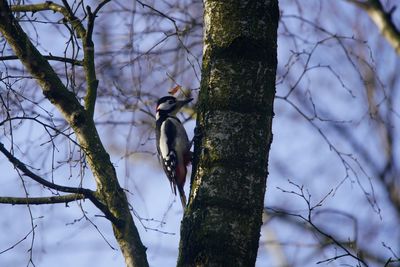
column 333, row 185
column 109, row 196
column 341, row 84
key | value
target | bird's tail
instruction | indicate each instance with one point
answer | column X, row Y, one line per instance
column 182, row 196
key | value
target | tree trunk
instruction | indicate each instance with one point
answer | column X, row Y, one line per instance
column 109, row 197
column 221, row 226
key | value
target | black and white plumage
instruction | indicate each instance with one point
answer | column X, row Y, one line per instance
column 173, row 144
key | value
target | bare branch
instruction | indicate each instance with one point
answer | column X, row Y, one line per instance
column 87, row 193
column 48, row 5
column 45, row 126
column 50, row 57
column 300, row 192
column 109, row 198
column 89, row 65
column 17, row 243
column 38, row 66
column 41, row 200
column 86, row 37
column 21, row 166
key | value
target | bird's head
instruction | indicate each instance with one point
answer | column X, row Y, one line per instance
column 169, row 105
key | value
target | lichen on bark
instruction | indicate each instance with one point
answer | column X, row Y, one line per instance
column 221, row 226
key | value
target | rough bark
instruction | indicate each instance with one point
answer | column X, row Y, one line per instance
column 109, row 192
column 221, row 225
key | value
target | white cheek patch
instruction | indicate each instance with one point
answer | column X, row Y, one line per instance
column 164, row 106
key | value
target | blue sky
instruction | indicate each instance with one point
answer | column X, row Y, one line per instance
column 299, row 151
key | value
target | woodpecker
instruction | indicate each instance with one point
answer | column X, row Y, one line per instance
column 173, row 145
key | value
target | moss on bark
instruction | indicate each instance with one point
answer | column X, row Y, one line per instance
column 221, row 226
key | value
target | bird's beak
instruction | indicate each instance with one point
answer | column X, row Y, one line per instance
column 181, row 103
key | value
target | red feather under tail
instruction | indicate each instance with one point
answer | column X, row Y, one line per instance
column 182, row 197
